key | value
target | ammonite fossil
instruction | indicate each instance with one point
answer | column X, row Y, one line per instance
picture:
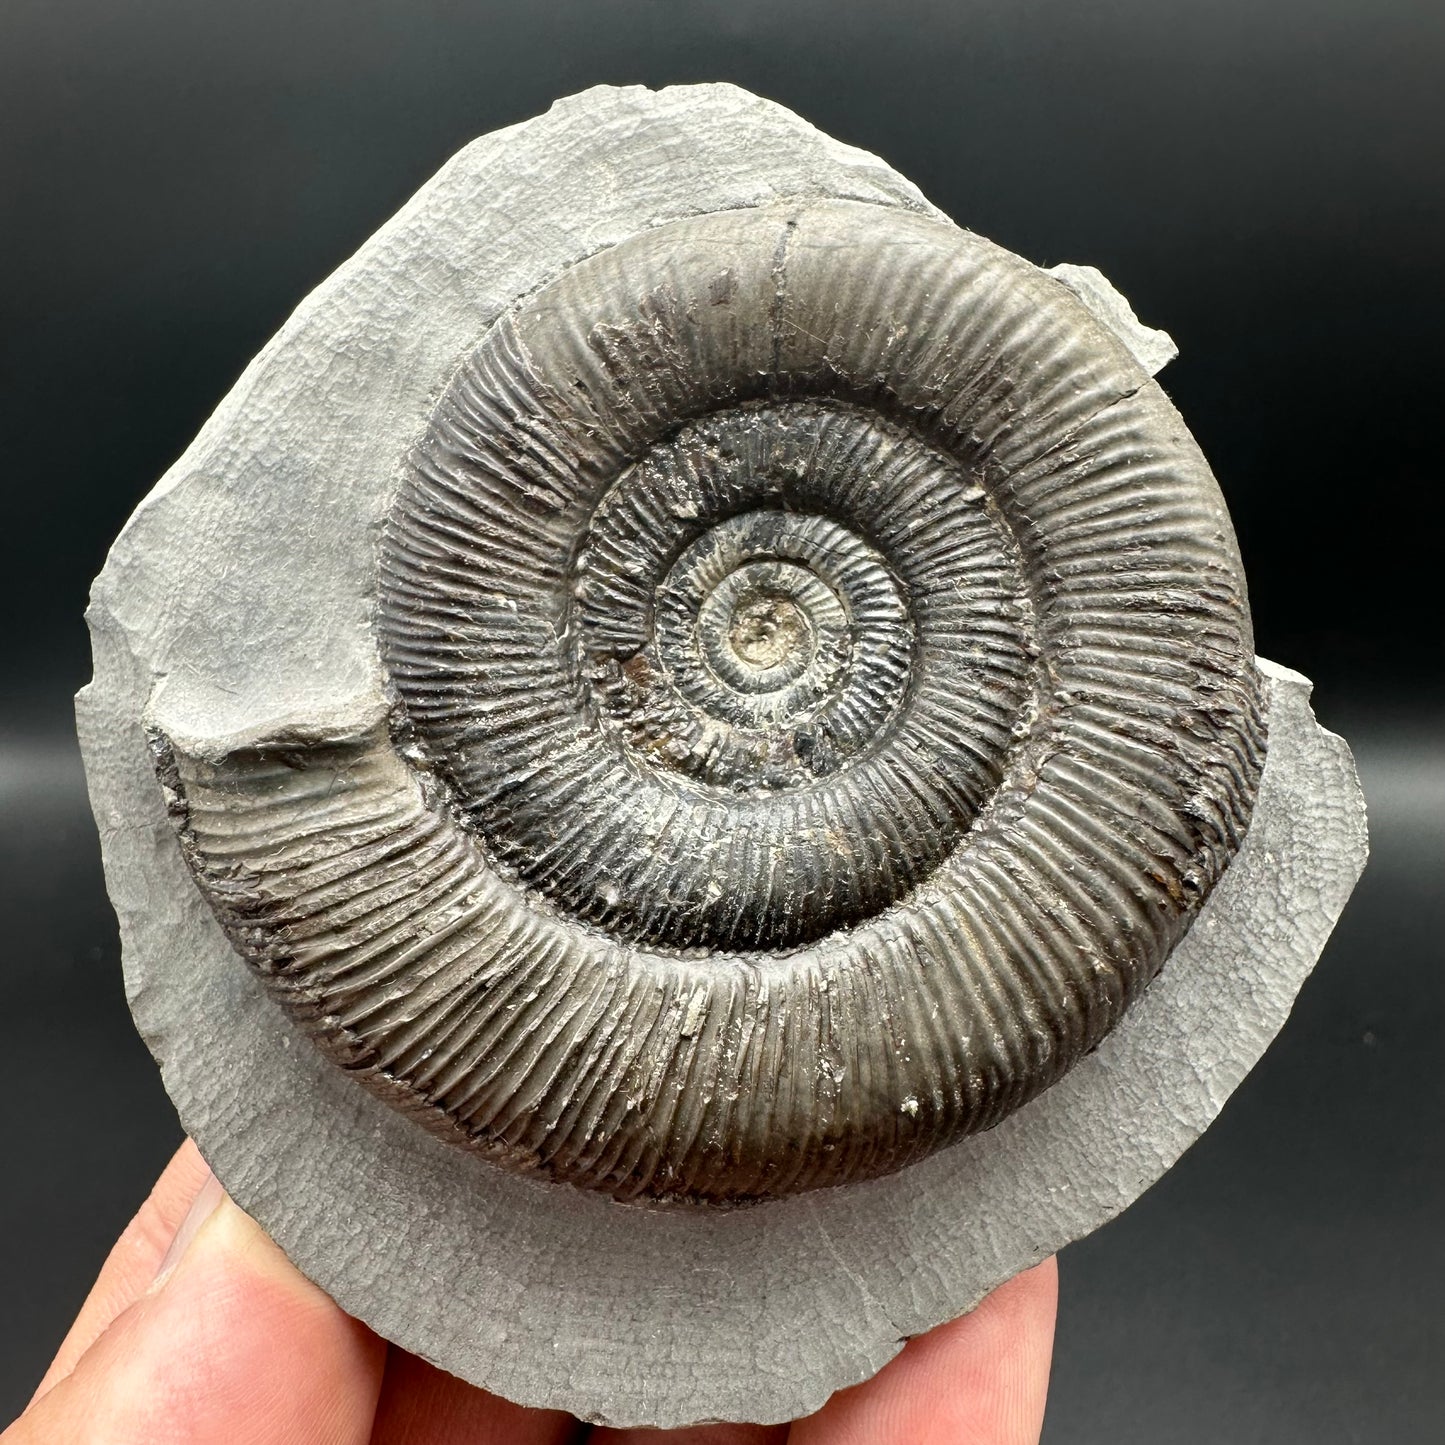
column 683, row 772
column 823, row 693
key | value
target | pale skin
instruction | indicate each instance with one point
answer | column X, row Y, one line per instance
column 200, row 1332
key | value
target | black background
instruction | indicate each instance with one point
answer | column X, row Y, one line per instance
column 1264, row 178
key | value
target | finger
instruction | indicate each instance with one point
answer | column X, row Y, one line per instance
column 422, row 1403
column 132, row 1263
column 694, row 1435
column 978, row 1381
column 235, row 1347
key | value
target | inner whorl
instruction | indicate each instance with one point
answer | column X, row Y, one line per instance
column 825, row 695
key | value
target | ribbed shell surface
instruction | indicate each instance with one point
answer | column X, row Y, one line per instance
column 824, row 695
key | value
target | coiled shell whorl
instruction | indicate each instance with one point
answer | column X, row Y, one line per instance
column 823, row 697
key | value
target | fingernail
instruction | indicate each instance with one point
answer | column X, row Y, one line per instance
column 202, row 1207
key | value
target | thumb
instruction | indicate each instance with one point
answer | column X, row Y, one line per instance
column 230, row 1346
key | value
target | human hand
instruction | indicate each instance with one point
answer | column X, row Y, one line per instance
column 199, row 1331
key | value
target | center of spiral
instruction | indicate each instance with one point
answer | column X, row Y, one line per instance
column 767, row 630
column 771, row 629
column 756, row 699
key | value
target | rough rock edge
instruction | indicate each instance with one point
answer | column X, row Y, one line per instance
column 1152, row 349
column 664, row 1323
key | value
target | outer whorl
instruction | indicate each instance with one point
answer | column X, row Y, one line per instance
column 824, row 695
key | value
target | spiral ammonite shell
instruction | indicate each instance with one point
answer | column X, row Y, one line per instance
column 823, row 695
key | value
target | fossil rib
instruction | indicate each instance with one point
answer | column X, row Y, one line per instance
column 824, row 696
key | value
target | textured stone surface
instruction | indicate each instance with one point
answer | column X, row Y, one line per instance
column 546, row 1294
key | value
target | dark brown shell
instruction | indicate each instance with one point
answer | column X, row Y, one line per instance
column 824, row 697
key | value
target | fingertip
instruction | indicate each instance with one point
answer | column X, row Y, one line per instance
column 133, row 1261
column 235, row 1346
